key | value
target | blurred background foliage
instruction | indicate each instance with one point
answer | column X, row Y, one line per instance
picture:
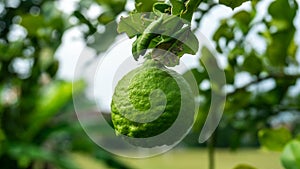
column 262, row 73
column 38, row 126
column 263, row 76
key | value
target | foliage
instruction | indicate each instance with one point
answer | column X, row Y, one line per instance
column 33, row 127
column 163, row 31
column 271, row 70
column 252, row 105
column 35, row 132
column 274, row 139
column 233, row 3
column 290, row 157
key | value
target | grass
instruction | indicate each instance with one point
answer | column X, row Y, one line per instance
column 195, row 159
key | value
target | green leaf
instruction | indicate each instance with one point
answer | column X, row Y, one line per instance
column 253, row 64
column 169, row 35
column 229, row 72
column 292, row 50
column 50, row 22
column 116, row 6
column 161, row 7
column 224, row 31
column 274, row 139
column 52, row 99
column 177, row 7
column 243, row 166
column 189, row 41
column 145, row 6
column 53, row 17
column 281, row 25
column 240, row 99
column 283, row 10
column 243, row 19
column 2, row 136
column 171, row 24
column 53, row 68
column 169, row 51
column 11, row 50
column 133, row 25
column 143, row 41
column 232, row 3
column 46, row 58
column 190, row 7
column 33, row 23
column 26, row 153
column 277, row 51
column 283, row 13
column 290, row 157
column 106, row 17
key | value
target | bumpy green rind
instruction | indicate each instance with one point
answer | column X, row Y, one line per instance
column 131, row 98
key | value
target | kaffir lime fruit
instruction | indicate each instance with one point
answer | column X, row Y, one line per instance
column 147, row 101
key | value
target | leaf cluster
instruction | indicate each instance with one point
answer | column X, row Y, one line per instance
column 36, row 128
column 259, row 54
column 164, row 30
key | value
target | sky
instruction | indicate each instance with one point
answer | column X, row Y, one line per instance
column 73, row 54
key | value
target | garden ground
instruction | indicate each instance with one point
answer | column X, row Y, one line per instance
column 194, row 159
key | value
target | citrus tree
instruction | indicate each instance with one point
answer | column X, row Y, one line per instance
column 275, row 62
column 36, row 128
column 256, row 47
column 263, row 48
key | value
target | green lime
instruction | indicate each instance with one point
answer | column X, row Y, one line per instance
column 147, row 100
